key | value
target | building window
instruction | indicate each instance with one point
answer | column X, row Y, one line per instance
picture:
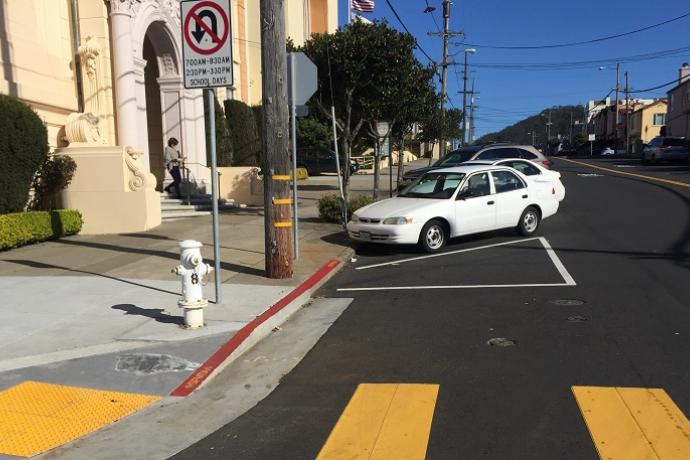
column 659, row 119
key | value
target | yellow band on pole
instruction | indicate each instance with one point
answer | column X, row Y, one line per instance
column 282, row 201
column 282, row 224
column 279, row 177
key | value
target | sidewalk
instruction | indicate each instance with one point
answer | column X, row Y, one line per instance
column 100, row 313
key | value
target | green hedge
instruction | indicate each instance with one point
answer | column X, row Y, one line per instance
column 22, row 228
column 329, row 207
column 23, row 148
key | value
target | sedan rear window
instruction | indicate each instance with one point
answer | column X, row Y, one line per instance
column 455, row 158
column 670, row 142
column 438, row 185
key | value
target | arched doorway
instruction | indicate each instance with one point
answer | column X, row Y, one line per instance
column 154, row 113
column 161, row 87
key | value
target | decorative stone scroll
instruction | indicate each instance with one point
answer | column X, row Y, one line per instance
column 139, row 179
column 83, row 128
column 124, row 6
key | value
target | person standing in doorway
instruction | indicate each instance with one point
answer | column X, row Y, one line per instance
column 173, row 160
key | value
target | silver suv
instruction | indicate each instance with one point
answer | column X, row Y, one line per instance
column 479, row 152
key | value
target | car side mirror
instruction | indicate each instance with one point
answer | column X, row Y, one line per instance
column 465, row 193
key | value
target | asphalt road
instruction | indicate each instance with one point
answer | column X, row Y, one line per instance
column 623, row 240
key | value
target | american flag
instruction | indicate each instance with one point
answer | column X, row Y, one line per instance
column 363, row 6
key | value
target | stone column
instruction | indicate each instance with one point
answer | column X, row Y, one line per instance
column 124, row 80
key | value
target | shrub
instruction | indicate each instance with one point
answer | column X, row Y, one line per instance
column 224, row 151
column 55, row 174
column 22, row 228
column 330, row 210
column 23, row 148
column 244, row 133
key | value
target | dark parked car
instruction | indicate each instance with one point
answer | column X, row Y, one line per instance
column 318, row 160
column 666, row 149
column 479, row 152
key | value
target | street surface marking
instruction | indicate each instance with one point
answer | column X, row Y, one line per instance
column 634, row 423
column 431, row 256
column 35, row 417
column 641, row 176
column 383, row 421
column 569, row 280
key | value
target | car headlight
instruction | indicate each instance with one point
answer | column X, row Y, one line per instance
column 354, row 218
column 397, row 221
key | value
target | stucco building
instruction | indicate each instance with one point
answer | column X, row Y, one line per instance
column 109, row 71
column 646, row 123
column 678, row 117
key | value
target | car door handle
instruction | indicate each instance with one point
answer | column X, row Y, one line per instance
column 524, row 196
column 489, row 203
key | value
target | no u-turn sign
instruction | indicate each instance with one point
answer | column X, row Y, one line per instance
column 206, row 43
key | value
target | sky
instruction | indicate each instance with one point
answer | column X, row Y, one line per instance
column 507, row 95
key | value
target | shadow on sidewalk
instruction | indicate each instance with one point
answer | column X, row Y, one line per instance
column 165, row 254
column 153, row 313
column 34, row 264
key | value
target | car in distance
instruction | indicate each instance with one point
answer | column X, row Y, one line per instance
column 318, row 160
column 666, row 149
column 479, row 152
column 451, row 202
column 608, row 151
column 546, row 180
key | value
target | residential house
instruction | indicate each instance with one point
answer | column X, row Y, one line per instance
column 646, row 123
column 678, row 116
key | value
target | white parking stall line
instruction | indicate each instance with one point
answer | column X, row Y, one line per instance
column 431, row 256
column 479, row 286
column 567, row 278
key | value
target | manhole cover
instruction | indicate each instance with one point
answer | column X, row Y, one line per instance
column 501, row 342
column 576, row 319
column 567, row 302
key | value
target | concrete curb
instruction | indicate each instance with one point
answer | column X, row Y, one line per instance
column 258, row 329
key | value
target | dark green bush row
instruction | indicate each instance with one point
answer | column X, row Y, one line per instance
column 330, row 211
column 23, row 148
column 23, row 228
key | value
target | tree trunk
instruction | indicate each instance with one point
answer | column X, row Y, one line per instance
column 401, row 159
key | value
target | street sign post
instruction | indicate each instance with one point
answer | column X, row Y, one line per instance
column 592, row 138
column 303, row 83
column 207, row 63
column 382, row 131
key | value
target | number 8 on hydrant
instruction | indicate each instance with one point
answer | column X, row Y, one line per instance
column 193, row 272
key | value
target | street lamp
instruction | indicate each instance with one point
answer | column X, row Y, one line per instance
column 468, row 51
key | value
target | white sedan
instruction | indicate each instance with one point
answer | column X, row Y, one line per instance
column 447, row 203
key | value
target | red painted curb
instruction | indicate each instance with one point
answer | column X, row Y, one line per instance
column 200, row 375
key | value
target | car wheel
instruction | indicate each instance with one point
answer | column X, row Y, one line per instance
column 433, row 236
column 529, row 222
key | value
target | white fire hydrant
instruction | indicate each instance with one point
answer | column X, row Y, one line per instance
column 193, row 272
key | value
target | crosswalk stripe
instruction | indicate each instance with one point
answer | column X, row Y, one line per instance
column 634, row 423
column 383, row 421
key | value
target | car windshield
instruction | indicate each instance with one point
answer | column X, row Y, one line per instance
column 438, row 185
column 455, row 158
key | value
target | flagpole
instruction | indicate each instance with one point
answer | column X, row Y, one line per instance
column 349, row 11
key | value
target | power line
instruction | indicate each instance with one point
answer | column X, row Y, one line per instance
column 647, row 90
column 541, row 66
column 419, row 47
column 585, row 42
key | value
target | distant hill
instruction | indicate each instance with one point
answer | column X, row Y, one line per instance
column 519, row 132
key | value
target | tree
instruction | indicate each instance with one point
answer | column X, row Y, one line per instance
column 374, row 75
column 313, row 132
column 435, row 126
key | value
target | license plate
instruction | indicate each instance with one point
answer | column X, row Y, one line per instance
column 365, row 235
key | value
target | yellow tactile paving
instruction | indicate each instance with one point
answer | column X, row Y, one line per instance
column 634, row 423
column 383, row 421
column 35, row 416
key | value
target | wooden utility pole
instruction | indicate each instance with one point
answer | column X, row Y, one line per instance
column 276, row 164
column 627, row 114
